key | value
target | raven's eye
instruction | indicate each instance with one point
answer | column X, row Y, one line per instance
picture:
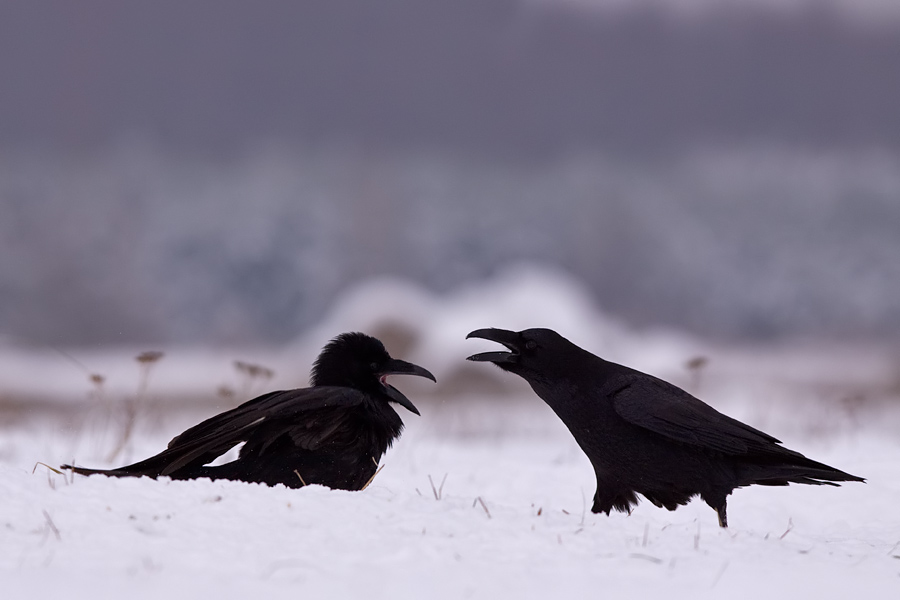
column 374, row 367
column 530, row 345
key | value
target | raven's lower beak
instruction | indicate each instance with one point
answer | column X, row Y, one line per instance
column 401, row 367
column 510, row 339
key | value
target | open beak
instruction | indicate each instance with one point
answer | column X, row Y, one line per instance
column 510, row 339
column 401, row 367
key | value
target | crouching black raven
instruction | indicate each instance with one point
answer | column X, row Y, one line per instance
column 332, row 433
column 644, row 435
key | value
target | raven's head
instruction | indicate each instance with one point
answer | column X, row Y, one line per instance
column 360, row 361
column 531, row 353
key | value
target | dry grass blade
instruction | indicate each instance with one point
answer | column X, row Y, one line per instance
column 146, row 360
column 57, row 471
column 372, row 478
column 297, row 473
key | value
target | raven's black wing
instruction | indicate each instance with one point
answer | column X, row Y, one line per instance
column 283, row 404
column 669, row 411
column 308, row 415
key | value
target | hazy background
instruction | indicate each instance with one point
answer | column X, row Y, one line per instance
column 705, row 190
column 218, row 172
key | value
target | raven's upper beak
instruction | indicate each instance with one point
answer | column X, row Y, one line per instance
column 510, row 339
column 401, row 367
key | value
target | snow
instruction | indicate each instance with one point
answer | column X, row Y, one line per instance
column 484, row 496
column 142, row 538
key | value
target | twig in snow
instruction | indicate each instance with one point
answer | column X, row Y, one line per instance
column 438, row 492
column 433, row 489
column 52, row 526
column 697, row 537
column 583, row 508
column 483, row 505
column 719, row 575
column 788, row 530
column 653, row 559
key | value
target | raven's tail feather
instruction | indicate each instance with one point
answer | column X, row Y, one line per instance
column 86, row 471
column 811, row 473
column 120, row 472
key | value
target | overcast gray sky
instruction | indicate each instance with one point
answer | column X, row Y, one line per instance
column 202, row 171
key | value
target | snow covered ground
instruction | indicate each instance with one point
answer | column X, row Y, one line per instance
column 485, row 496
column 511, row 519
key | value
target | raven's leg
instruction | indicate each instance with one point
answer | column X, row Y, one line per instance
column 717, row 500
column 723, row 518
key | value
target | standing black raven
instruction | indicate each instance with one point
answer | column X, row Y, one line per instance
column 332, row 433
column 644, row 435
